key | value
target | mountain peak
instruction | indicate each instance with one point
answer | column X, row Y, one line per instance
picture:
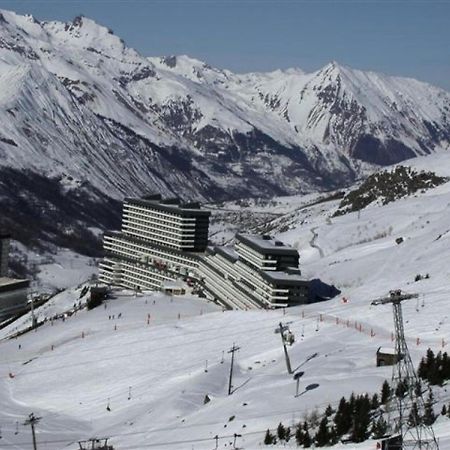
column 333, row 67
column 82, row 22
column 23, row 22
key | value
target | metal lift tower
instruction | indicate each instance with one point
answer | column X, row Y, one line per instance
column 407, row 405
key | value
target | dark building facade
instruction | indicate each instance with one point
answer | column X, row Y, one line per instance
column 13, row 292
column 159, row 242
column 258, row 272
column 4, row 253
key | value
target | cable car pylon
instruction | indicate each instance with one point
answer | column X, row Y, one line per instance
column 406, row 406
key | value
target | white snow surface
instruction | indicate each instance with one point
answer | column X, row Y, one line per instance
column 67, row 372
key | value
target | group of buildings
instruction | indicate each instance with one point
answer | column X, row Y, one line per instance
column 163, row 245
column 13, row 292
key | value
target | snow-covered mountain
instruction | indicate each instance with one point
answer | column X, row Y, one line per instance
column 93, row 120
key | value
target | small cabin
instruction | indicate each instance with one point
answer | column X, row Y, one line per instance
column 386, row 356
column 99, row 292
column 173, row 288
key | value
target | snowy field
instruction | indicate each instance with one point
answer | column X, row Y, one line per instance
column 141, row 379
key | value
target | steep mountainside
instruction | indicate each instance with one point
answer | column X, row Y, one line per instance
column 101, row 121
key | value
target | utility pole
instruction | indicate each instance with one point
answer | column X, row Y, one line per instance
column 32, row 421
column 286, row 355
column 297, row 377
column 33, row 317
column 230, row 385
column 235, row 437
column 407, row 401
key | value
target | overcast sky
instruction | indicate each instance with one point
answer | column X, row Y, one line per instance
column 400, row 37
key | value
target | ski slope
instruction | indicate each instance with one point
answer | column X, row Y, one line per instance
column 69, row 372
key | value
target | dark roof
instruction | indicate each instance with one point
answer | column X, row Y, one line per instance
column 172, row 205
column 152, row 197
column 12, row 284
column 228, row 253
column 266, row 245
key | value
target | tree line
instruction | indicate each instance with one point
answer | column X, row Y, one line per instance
column 434, row 368
column 355, row 419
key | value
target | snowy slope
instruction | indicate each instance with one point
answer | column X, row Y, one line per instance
column 164, row 361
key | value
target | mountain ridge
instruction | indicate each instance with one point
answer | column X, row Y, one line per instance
column 77, row 103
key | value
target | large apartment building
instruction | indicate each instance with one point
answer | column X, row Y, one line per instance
column 164, row 240
column 159, row 242
column 259, row 272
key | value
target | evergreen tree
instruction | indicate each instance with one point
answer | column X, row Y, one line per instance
column 322, row 437
column 361, row 419
column 414, row 419
column 385, row 392
column 422, row 370
column 314, row 418
column 445, row 366
column 444, row 410
column 299, row 435
column 375, row 403
column 343, row 417
column 269, row 438
column 429, row 416
column 287, row 436
column 328, row 411
column 351, row 401
column 307, row 439
column 430, row 365
column 379, row 428
column 429, row 358
column 418, row 388
column 435, row 371
column 402, row 388
column 334, row 438
column 281, row 432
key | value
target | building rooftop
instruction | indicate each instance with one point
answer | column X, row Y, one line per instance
column 228, row 253
column 266, row 244
column 279, row 276
column 173, row 205
column 10, row 284
column 387, row 351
